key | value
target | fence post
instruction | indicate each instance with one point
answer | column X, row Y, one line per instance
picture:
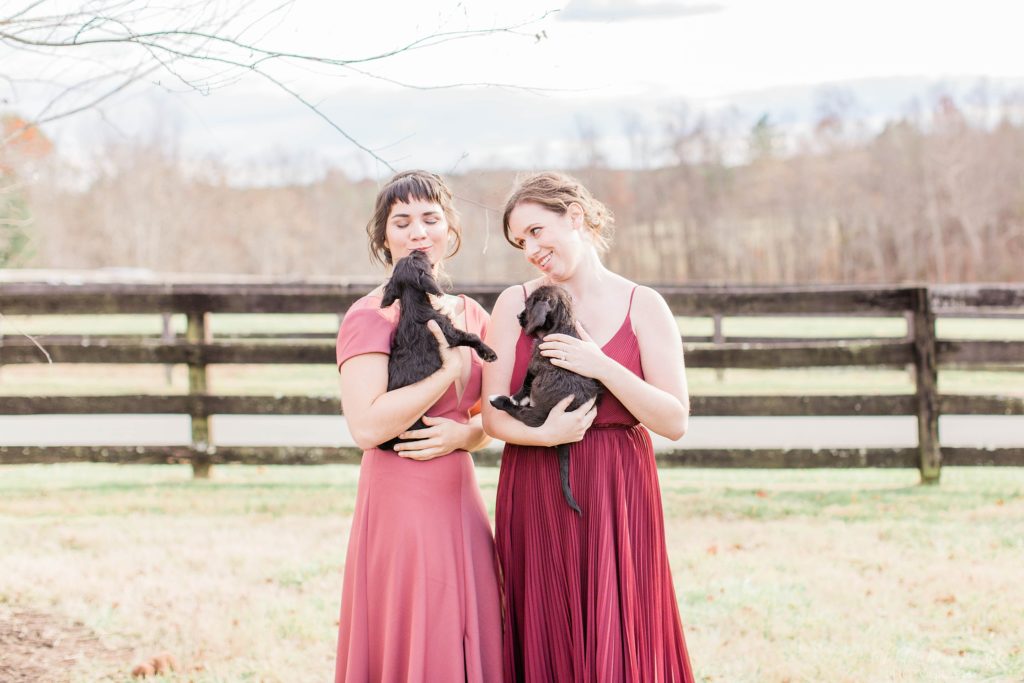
column 927, row 380
column 197, row 332
column 718, row 338
column 166, row 336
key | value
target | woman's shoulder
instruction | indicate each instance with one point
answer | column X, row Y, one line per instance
column 638, row 294
column 649, row 313
column 528, row 287
column 512, row 298
column 368, row 307
column 521, row 291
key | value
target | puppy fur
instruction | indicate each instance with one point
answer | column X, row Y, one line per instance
column 548, row 311
column 414, row 350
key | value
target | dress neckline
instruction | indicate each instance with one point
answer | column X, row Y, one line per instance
column 622, row 326
column 617, row 332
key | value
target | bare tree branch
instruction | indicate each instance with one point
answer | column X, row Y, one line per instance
column 200, row 33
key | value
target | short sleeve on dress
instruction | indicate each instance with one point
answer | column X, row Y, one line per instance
column 363, row 330
column 485, row 320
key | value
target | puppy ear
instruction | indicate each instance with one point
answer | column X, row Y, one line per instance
column 392, row 292
column 537, row 316
column 428, row 284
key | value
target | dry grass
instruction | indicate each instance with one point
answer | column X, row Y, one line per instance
column 781, row 575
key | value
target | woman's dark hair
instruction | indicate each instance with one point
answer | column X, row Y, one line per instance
column 403, row 187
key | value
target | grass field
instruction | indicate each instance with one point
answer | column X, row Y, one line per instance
column 781, row 575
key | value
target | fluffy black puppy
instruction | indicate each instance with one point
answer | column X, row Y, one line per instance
column 548, row 311
column 414, row 350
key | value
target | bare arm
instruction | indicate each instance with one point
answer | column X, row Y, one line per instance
column 660, row 401
column 560, row 427
column 373, row 413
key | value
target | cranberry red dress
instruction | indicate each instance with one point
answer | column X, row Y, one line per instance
column 588, row 598
column 420, row 601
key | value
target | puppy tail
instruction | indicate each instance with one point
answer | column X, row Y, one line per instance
column 563, row 471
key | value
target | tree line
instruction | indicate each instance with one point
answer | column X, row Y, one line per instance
column 935, row 195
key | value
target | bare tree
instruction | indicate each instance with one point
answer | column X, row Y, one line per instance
column 89, row 52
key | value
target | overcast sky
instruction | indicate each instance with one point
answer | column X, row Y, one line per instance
column 592, row 60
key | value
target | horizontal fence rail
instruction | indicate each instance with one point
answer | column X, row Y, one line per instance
column 198, row 348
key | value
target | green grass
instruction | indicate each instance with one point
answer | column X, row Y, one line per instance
column 810, row 575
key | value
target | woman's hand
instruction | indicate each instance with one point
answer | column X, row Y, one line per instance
column 451, row 358
column 568, row 427
column 582, row 356
column 440, row 437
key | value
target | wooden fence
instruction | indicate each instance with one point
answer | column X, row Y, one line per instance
column 919, row 349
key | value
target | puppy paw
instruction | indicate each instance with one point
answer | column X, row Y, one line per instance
column 501, row 402
column 487, row 355
column 525, row 402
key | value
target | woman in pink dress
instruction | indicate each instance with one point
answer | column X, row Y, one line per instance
column 588, row 597
column 420, row 601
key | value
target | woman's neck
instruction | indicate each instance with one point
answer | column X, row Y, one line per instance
column 589, row 276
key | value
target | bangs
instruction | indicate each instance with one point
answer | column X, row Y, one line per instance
column 412, row 188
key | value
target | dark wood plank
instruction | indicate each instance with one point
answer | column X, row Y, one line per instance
column 34, row 298
column 44, row 298
column 983, row 457
column 801, row 405
column 789, row 457
column 155, row 455
column 979, row 352
column 967, row 404
column 145, row 404
column 792, row 355
column 717, row 458
column 275, row 455
column 328, row 405
column 957, row 298
column 801, row 355
column 177, row 352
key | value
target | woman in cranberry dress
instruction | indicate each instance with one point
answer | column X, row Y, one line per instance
column 420, row 602
column 587, row 597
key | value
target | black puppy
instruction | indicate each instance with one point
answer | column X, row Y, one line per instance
column 414, row 351
column 548, row 311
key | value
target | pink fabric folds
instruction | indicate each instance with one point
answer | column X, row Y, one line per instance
column 420, row 600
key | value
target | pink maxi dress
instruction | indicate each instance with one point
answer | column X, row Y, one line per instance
column 420, row 601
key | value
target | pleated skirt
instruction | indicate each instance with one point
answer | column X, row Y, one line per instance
column 590, row 597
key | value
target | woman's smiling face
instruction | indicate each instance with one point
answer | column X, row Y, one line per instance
column 416, row 225
column 552, row 242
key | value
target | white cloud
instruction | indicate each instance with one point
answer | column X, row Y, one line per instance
column 624, row 10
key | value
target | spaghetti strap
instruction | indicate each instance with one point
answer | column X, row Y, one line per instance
column 524, row 292
column 630, row 308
